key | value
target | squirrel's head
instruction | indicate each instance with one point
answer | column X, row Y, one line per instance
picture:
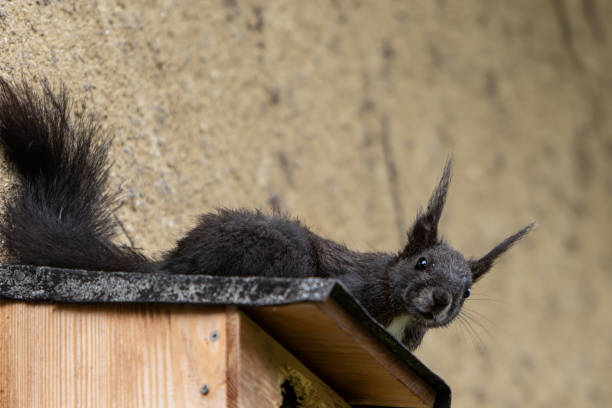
column 429, row 279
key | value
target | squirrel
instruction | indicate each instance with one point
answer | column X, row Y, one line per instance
column 57, row 212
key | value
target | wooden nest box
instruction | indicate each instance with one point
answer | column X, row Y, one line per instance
column 97, row 339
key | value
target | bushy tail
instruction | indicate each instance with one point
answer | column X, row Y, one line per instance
column 56, row 211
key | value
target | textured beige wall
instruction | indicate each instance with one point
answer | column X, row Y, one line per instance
column 342, row 112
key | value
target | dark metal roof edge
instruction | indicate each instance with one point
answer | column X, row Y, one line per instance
column 46, row 284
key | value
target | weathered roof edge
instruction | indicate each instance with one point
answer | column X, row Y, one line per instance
column 78, row 286
column 45, row 284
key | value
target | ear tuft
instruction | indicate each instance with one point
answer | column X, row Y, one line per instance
column 424, row 232
column 483, row 265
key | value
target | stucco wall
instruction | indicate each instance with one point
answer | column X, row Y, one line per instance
column 342, row 113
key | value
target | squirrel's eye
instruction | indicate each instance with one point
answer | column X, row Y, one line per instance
column 421, row 264
column 467, row 293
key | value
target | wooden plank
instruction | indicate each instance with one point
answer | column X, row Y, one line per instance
column 334, row 345
column 382, row 356
column 111, row 356
column 258, row 365
column 5, row 320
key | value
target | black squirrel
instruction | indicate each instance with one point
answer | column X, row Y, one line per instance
column 57, row 212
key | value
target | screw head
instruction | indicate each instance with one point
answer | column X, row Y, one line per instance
column 214, row 336
column 204, row 390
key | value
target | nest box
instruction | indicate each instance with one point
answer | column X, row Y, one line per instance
column 72, row 338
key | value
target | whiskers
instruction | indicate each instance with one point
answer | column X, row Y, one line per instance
column 486, row 299
column 472, row 324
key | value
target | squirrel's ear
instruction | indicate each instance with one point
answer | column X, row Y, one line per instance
column 481, row 266
column 424, row 231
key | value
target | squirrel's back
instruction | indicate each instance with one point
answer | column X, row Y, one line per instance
column 56, row 210
column 242, row 242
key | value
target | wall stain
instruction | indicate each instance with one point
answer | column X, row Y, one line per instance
column 584, row 165
column 436, row 57
column 342, row 18
column 391, row 166
column 388, row 54
column 566, row 31
column 591, row 14
column 233, row 10
column 286, row 167
column 274, row 96
column 258, row 24
column 491, row 84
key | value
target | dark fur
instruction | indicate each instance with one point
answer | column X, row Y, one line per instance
column 57, row 213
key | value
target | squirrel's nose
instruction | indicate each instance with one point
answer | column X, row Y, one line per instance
column 440, row 299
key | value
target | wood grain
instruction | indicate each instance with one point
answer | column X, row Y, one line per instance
column 5, row 372
column 111, row 356
column 258, row 366
column 161, row 356
column 350, row 360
